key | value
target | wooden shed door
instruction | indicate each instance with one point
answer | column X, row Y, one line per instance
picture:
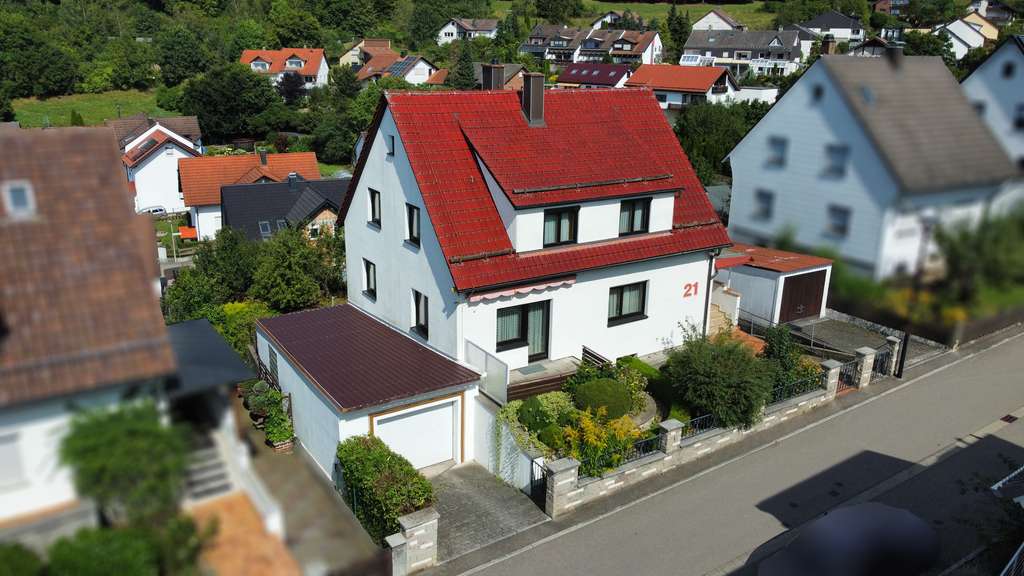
column 801, row 296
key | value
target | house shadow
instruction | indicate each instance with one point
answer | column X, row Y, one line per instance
column 952, row 495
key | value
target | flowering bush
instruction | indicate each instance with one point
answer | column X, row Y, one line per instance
column 599, row 445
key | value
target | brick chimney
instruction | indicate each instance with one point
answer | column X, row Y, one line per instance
column 533, row 98
column 828, row 44
column 492, row 77
column 263, row 157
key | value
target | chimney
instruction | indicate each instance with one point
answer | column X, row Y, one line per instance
column 263, row 157
column 894, row 54
column 492, row 77
column 533, row 98
column 828, row 44
column 292, row 179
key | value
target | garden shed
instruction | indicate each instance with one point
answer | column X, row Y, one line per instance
column 777, row 286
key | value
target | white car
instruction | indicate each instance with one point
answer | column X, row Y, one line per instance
column 155, row 210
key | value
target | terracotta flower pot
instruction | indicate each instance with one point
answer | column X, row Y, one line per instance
column 283, row 447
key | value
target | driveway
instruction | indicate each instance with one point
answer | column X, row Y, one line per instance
column 477, row 509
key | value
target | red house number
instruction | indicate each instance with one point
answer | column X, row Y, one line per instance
column 690, row 289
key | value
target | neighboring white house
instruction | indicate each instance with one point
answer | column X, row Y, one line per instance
column 467, row 29
column 996, row 88
column 151, row 163
column 840, row 162
column 458, row 257
column 200, row 180
column 678, row 86
column 963, row 35
column 842, row 27
column 777, row 286
column 310, row 63
column 717, row 20
column 415, row 70
column 759, row 52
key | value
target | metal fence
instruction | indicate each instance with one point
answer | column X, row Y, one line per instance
column 1016, row 565
column 848, row 374
column 784, row 392
column 699, row 425
column 642, row 448
column 883, row 358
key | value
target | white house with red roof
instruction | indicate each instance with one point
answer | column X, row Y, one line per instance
column 310, row 63
column 151, row 164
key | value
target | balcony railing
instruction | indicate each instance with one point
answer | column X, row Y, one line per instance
column 719, row 89
column 494, row 372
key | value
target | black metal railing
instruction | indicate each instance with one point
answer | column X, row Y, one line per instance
column 697, row 426
column 642, row 448
column 591, row 357
column 849, row 373
column 784, row 392
column 757, row 325
column 883, row 358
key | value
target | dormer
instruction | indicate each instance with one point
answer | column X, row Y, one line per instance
column 260, row 65
column 592, row 44
column 623, row 44
column 294, row 63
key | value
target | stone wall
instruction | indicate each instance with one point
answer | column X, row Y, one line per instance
column 414, row 548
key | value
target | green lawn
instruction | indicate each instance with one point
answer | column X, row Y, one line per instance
column 94, row 108
column 752, row 14
column 328, row 170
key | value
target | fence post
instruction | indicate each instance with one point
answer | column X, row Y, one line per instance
column 415, row 547
column 894, row 354
column 830, row 375
column 865, row 362
column 671, row 432
column 396, row 543
column 561, row 486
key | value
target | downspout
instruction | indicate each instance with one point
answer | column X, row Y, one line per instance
column 707, row 288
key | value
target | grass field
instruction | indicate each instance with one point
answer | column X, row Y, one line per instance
column 328, row 170
column 94, row 108
column 752, row 14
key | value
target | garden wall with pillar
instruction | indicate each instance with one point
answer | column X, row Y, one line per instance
column 414, row 548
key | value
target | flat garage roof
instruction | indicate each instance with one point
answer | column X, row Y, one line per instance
column 359, row 361
column 770, row 258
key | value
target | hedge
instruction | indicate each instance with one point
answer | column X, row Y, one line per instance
column 380, row 486
column 102, row 552
column 604, row 393
column 539, row 412
column 17, row 560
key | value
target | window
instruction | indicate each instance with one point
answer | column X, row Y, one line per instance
column 627, row 303
column 525, row 325
column 419, row 305
column 282, row 224
column 260, row 66
column 764, row 204
column 294, row 63
column 14, row 470
column 661, row 96
column 838, row 221
column 314, row 231
column 634, row 216
column 370, row 279
column 264, row 228
column 374, row 207
column 389, row 142
column 19, row 201
column 412, row 223
column 979, row 107
column 1019, row 120
column 1008, row 70
column 817, row 93
column 310, row 79
column 777, row 151
column 837, row 156
column 560, row 226
column 273, row 364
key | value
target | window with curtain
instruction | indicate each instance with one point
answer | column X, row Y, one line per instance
column 370, row 279
column 412, row 216
column 627, row 303
column 420, row 313
column 525, row 325
column 560, row 226
column 374, row 207
column 511, row 328
column 634, row 216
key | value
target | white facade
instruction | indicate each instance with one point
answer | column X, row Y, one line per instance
column 156, row 179
column 762, row 289
column 712, row 21
column 206, row 220
column 841, row 34
column 317, row 81
column 454, row 30
column 652, row 54
column 963, row 36
column 996, row 88
column 420, row 72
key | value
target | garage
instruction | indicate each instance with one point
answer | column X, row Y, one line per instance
column 425, row 435
column 802, row 296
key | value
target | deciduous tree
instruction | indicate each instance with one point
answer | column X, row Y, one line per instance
column 226, row 98
column 287, row 272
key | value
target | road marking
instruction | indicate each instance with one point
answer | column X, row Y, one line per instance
column 570, row 529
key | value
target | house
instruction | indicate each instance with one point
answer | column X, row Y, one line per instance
column 82, row 329
column 131, row 129
column 677, row 86
column 891, row 7
column 366, row 49
column 511, row 76
column 608, row 19
column 200, row 180
column 467, row 29
column 963, row 36
column 842, row 27
column 310, row 63
column 413, row 69
column 718, row 20
column 759, row 52
column 996, row 90
column 847, row 160
column 564, row 45
column 999, row 13
column 492, row 241
column 778, row 286
column 594, row 75
column 263, row 208
column 987, row 28
column 873, row 47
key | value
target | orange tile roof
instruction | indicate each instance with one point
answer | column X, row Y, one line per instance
column 775, row 260
column 201, row 178
column 676, row 78
column 311, row 58
column 438, row 78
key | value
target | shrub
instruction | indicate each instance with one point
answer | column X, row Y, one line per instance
column 278, row 427
column 553, row 437
column 101, row 552
column 599, row 445
column 531, row 415
column 17, row 560
column 721, row 376
column 632, row 379
column 539, row 412
column 635, row 384
column 380, row 486
column 264, row 403
column 603, row 393
column 237, row 324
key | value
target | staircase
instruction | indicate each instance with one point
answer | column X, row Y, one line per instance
column 718, row 321
column 207, row 475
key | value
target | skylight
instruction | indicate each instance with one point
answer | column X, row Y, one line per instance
column 19, row 199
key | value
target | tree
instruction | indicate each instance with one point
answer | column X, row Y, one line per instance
column 461, row 77
column 294, row 27
column 334, row 138
column 288, row 272
column 428, row 16
column 180, row 54
column 358, row 16
column 99, row 552
column 6, row 106
column 924, row 44
column 934, row 12
column 122, row 64
column 708, row 132
column 332, row 243
column 679, row 28
column 249, row 34
column 344, row 85
column 30, row 61
column 130, row 463
column 228, row 261
column 192, row 295
column 292, row 87
column 559, row 11
column 225, row 98
column 720, row 376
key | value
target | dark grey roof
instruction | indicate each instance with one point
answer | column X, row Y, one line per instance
column 205, row 360
column 131, row 127
column 477, row 24
column 920, row 121
column 833, row 19
column 742, row 39
column 802, row 32
column 510, row 71
column 244, row 206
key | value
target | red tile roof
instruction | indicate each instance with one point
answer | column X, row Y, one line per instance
column 358, row 361
column 676, row 78
column 595, row 144
column 187, row 233
column 202, row 177
column 775, row 260
column 311, row 58
column 152, row 144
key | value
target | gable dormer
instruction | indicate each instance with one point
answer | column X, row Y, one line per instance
column 294, row 63
column 775, row 43
column 260, row 65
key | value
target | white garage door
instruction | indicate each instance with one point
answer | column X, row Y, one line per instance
column 424, row 436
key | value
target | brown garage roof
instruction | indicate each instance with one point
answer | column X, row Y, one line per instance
column 358, row 361
column 77, row 306
column 771, row 259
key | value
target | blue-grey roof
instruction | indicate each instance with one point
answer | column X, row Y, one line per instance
column 244, row 206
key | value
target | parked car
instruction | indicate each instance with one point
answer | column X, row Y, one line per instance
column 155, row 210
column 868, row 539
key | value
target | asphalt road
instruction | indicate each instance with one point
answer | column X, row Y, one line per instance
column 712, row 524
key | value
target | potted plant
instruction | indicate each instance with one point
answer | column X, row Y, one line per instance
column 261, row 404
column 244, row 389
column 279, row 430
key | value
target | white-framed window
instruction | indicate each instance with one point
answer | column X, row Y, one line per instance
column 838, row 221
column 764, row 204
column 19, row 199
column 293, row 63
column 282, row 224
column 419, row 308
column 837, row 156
column 314, row 230
column 10, row 454
column 265, row 228
column 412, row 224
column 777, row 146
column 260, row 66
column 374, row 206
column 369, row 279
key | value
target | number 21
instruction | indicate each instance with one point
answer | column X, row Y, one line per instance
column 690, row 289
